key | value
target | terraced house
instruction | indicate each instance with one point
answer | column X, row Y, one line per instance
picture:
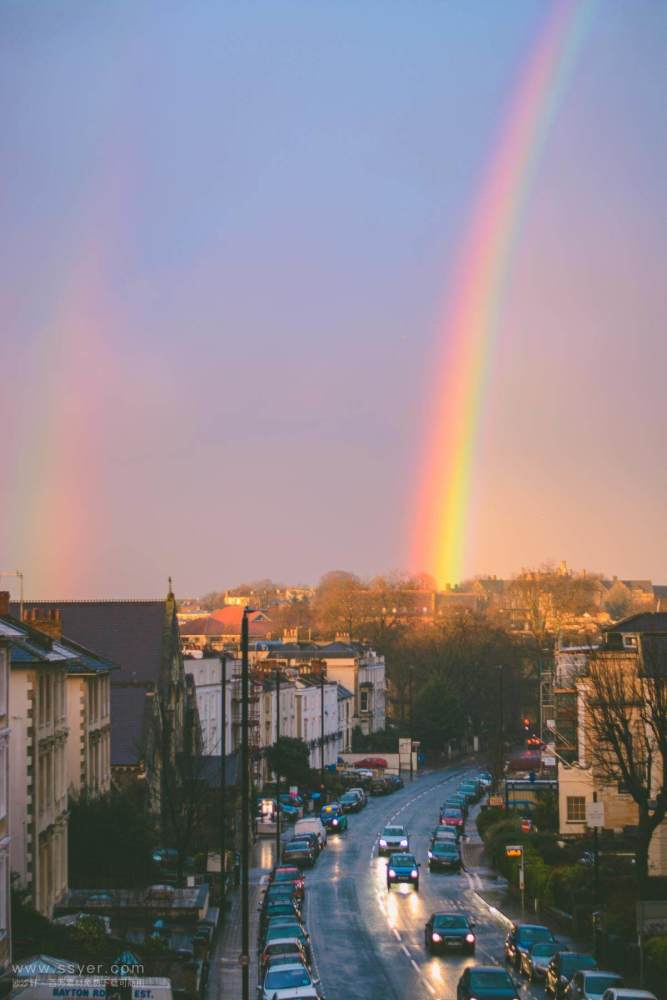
column 5, row 923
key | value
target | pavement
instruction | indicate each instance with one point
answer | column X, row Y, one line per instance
column 368, row 943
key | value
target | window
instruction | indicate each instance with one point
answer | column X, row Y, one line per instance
column 576, row 809
column 3, row 682
column 3, row 779
column 363, row 700
column 4, row 879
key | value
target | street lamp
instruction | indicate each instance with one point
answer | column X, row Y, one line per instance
column 223, row 752
column 501, row 709
column 245, row 815
column 278, row 675
column 322, row 678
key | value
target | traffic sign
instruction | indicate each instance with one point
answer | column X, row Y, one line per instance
column 496, row 801
column 594, row 814
column 513, row 850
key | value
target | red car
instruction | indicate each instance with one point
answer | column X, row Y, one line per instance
column 452, row 817
column 372, row 763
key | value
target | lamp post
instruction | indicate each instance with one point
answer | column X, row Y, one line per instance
column 277, row 766
column 411, row 669
column 245, row 815
column 322, row 676
column 223, row 754
column 501, row 719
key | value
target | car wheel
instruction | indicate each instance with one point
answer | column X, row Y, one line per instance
column 388, row 886
column 417, row 886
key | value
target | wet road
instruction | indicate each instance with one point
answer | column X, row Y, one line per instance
column 369, row 943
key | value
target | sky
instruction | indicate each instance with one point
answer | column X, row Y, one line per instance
column 229, row 236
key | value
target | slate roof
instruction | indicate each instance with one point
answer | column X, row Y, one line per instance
column 208, row 769
column 645, row 621
column 131, row 635
column 30, row 646
column 203, row 626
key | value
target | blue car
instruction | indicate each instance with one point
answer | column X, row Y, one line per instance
column 403, row 868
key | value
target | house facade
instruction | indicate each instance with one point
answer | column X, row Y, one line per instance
column 5, row 909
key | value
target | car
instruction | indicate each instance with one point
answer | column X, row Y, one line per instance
column 288, row 809
column 590, row 984
column 381, row 786
column 361, row 792
column 293, row 800
column 521, row 937
column 628, row 994
column 393, row 838
column 291, row 875
column 278, row 908
column 282, row 890
column 448, row 931
column 486, row 982
column 299, row 853
column 456, row 802
column 396, row 780
column 287, row 981
column 351, row 802
column 280, row 950
column 453, row 816
column 403, row 868
column 485, row 779
column 561, row 969
column 287, row 934
column 372, row 763
column 444, row 834
column 472, row 788
column 333, row 818
column 444, row 856
column 534, row 960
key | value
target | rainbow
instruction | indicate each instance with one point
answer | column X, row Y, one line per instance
column 441, row 518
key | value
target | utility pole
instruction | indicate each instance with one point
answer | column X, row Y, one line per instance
column 411, row 670
column 322, row 676
column 277, row 766
column 223, row 790
column 245, row 815
column 501, row 718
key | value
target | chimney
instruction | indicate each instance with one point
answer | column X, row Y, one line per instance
column 4, row 602
column 45, row 620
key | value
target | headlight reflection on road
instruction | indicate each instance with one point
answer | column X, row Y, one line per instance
column 392, row 909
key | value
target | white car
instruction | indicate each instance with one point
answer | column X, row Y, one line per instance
column 311, row 825
column 627, row 993
column 393, row 838
column 287, row 981
column 590, row 984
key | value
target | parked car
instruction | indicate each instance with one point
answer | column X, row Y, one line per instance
column 444, row 834
column 351, row 802
column 591, row 984
column 444, row 856
column 485, row 778
column 311, row 825
column 371, row 763
column 561, row 969
column 292, row 949
column 522, row 937
column 453, row 816
column 362, row 794
column 381, row 786
column 449, row 931
column 299, row 853
column 628, row 994
column 535, row 959
column 289, row 874
column 289, row 981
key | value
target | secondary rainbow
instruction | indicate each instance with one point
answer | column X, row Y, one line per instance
column 442, row 520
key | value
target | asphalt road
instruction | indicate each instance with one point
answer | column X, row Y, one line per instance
column 369, row 943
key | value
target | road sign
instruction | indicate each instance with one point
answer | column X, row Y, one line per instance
column 594, row 814
column 513, row 850
column 652, row 917
column 496, row 801
column 548, row 760
column 526, row 825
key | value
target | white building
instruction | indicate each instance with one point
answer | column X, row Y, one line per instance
column 207, row 676
column 5, row 921
column 309, row 697
column 88, row 724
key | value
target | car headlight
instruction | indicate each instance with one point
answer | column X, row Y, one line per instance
column 470, row 938
column 414, row 873
column 404, row 843
column 391, row 873
column 436, row 937
column 383, row 843
column 430, row 854
column 334, row 822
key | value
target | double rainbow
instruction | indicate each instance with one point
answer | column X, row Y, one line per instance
column 442, row 520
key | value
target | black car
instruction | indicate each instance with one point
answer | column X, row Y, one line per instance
column 486, row 982
column 561, row 969
column 351, row 802
column 521, row 938
column 278, row 908
column 444, row 856
column 449, row 931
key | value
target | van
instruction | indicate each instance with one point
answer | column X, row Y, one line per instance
column 311, row 825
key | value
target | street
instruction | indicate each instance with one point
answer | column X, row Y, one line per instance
column 369, row 943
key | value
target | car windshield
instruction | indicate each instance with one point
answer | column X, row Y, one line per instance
column 445, row 848
column 403, row 860
column 544, row 950
column 490, row 978
column 598, row 984
column 447, row 920
column 452, row 813
column 298, row 845
column 572, row 963
column 393, row 831
column 527, row 935
column 284, row 979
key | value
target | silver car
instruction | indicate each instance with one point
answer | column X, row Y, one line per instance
column 393, row 838
column 590, row 984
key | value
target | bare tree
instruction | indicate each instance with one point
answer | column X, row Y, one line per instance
column 626, row 730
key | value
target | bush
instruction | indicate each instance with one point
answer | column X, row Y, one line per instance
column 656, row 962
column 488, row 817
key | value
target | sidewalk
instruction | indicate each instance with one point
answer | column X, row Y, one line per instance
column 224, row 980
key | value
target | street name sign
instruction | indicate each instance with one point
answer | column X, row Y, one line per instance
column 594, row 814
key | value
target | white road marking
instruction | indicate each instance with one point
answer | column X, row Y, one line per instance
column 406, row 950
column 415, row 966
column 396, row 934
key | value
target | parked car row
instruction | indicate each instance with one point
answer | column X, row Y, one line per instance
column 567, row 975
column 285, row 957
column 371, row 781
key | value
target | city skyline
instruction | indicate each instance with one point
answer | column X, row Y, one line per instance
column 228, row 257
